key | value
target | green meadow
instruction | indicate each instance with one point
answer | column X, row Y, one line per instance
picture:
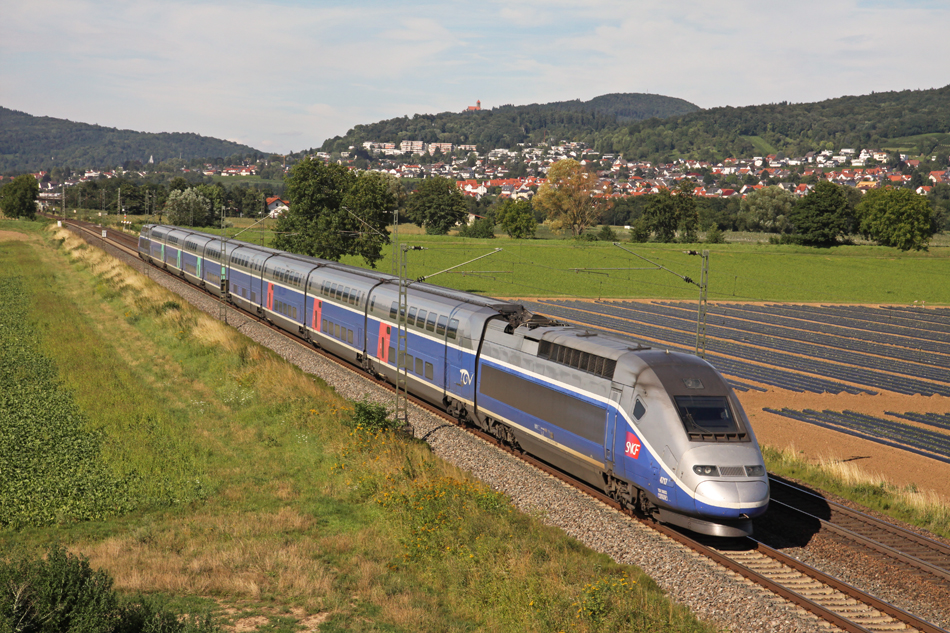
column 745, row 268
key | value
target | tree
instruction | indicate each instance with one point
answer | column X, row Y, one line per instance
column 333, row 212
column 516, row 218
column 896, row 217
column 567, row 197
column 437, row 205
column 18, row 197
column 660, row 217
column 767, row 209
column 187, row 208
column 215, row 195
column 687, row 217
column 822, row 216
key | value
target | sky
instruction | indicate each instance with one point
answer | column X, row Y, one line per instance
column 283, row 76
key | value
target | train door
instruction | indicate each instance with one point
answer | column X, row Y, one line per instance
column 270, row 296
column 610, row 435
column 317, row 314
column 382, row 348
column 179, row 259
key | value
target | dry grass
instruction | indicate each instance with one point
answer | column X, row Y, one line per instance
column 232, row 555
column 926, row 509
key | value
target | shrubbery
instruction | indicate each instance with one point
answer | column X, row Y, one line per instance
column 63, row 593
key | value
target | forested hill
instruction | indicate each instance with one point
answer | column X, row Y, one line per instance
column 917, row 121
column 30, row 143
column 507, row 125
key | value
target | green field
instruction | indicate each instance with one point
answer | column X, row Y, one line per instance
column 746, row 268
column 909, row 144
column 737, row 272
column 762, row 146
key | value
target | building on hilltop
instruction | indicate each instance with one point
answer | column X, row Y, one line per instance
column 476, row 107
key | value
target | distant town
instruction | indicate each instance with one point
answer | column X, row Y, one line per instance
column 517, row 173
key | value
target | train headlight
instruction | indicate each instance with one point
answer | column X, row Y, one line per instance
column 755, row 471
column 708, row 471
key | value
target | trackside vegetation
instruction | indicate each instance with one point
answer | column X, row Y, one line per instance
column 908, row 504
column 266, row 499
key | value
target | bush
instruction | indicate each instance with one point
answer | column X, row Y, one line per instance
column 715, row 236
column 640, row 231
column 63, row 593
column 785, row 238
column 483, row 228
column 606, row 234
column 373, row 417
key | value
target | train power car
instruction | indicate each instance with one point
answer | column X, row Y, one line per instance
column 658, row 430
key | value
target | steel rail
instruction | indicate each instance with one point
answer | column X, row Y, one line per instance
column 875, row 524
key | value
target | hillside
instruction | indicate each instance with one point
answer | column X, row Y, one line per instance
column 30, row 143
column 507, row 125
column 915, row 121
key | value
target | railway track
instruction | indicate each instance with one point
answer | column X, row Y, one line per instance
column 911, row 552
column 828, row 598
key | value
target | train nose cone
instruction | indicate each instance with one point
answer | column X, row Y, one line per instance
column 747, row 493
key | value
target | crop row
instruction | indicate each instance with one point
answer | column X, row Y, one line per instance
column 51, row 464
column 879, row 430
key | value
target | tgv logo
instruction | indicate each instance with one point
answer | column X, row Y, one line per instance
column 466, row 377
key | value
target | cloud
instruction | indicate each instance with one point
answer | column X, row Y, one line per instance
column 286, row 75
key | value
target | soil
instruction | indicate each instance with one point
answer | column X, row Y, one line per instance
column 811, row 442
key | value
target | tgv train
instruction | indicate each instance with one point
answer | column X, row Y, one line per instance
column 657, row 430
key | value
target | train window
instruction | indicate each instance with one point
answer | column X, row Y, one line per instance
column 349, row 336
column 349, row 295
column 393, row 309
column 295, row 312
column 706, row 415
column 440, row 330
column 430, row 322
column 333, row 291
column 421, row 319
column 412, row 316
column 409, row 362
column 324, row 289
column 324, row 328
column 429, row 371
column 598, row 365
column 453, row 327
column 419, row 366
column 639, row 409
column 336, row 330
column 345, row 294
column 392, row 355
column 372, row 304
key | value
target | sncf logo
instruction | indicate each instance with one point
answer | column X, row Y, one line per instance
column 633, row 446
column 466, row 377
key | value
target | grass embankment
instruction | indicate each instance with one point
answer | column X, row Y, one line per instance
column 926, row 509
column 261, row 495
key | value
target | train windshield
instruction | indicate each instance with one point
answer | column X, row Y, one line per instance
column 706, row 415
